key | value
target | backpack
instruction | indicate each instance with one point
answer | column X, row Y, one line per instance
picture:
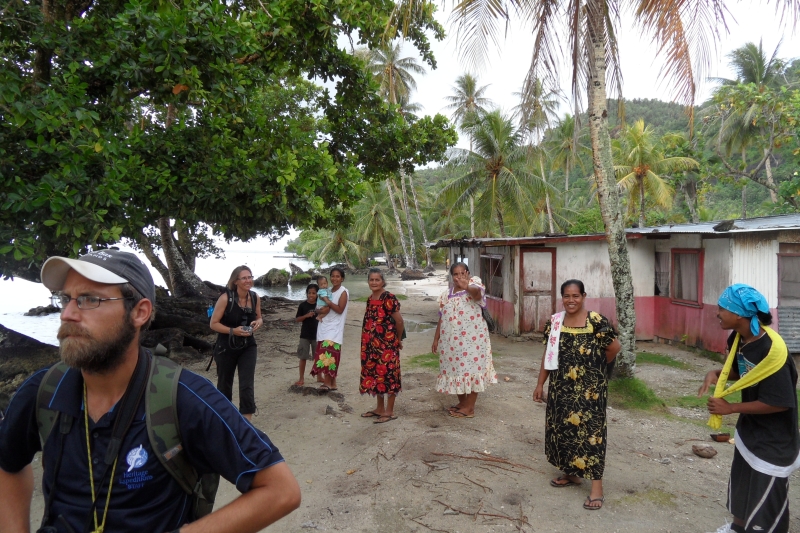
column 230, row 294
column 162, row 429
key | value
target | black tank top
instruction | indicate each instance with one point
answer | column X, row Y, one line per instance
column 236, row 316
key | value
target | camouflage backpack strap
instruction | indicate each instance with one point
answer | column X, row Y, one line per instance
column 45, row 415
column 162, row 421
column 165, row 437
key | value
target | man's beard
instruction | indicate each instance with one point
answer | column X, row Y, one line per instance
column 82, row 351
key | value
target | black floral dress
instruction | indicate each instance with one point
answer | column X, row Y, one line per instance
column 575, row 425
column 380, row 355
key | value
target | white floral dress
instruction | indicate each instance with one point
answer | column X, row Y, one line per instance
column 465, row 351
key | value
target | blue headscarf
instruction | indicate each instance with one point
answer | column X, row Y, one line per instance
column 745, row 301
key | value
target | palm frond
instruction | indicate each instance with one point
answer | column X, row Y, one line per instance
column 476, row 24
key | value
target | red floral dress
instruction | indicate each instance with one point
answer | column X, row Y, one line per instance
column 380, row 356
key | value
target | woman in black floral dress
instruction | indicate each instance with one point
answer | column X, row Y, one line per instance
column 381, row 342
column 575, row 426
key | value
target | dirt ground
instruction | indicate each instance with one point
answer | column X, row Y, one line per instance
column 426, row 471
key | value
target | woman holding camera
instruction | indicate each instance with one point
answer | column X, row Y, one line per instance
column 237, row 314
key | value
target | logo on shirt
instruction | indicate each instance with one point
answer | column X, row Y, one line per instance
column 137, row 458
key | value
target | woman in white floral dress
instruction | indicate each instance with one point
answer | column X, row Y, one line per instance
column 462, row 342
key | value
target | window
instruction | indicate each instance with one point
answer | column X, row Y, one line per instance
column 687, row 276
column 492, row 270
column 662, row 273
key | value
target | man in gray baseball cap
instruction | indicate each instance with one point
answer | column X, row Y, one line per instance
column 109, row 266
column 106, row 299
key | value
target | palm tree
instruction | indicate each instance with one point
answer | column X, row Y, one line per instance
column 537, row 107
column 642, row 164
column 751, row 65
column 395, row 75
column 468, row 100
column 332, row 246
column 498, row 173
column 372, row 224
column 566, row 146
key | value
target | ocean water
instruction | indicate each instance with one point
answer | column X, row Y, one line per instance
column 18, row 295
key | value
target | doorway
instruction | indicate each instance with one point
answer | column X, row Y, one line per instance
column 537, row 268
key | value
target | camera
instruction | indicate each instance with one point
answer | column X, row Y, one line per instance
column 247, row 329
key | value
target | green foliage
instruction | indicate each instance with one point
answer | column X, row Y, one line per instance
column 113, row 115
column 587, row 222
column 633, row 393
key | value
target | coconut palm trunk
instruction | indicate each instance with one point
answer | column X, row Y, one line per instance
column 607, row 192
column 547, row 197
column 400, row 232
column 641, row 201
column 411, row 245
column 768, row 168
column 500, row 222
column 428, row 260
column 389, row 262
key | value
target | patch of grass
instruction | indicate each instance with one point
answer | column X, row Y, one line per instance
column 365, row 298
column 428, row 360
column 657, row 496
column 659, row 359
column 633, row 393
column 693, row 401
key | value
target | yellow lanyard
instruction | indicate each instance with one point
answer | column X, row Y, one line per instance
column 101, row 527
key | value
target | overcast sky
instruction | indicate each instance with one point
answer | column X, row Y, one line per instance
column 507, row 66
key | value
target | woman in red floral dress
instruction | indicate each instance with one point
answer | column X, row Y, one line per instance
column 380, row 348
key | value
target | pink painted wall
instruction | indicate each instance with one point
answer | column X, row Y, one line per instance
column 657, row 316
column 608, row 308
column 503, row 314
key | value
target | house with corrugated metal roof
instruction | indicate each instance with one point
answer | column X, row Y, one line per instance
column 678, row 271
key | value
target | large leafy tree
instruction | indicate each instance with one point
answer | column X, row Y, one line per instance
column 123, row 115
column 642, row 166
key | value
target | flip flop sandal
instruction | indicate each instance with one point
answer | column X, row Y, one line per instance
column 569, row 483
column 586, row 504
column 385, row 418
column 459, row 414
column 325, row 388
column 370, row 414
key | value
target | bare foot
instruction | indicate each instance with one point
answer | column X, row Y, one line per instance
column 300, row 383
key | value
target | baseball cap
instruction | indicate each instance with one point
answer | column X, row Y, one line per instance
column 103, row 266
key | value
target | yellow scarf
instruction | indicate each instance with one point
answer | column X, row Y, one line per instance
column 773, row 362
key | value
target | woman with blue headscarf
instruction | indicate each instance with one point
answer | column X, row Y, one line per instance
column 767, row 438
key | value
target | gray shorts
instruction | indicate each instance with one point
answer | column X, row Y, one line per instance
column 305, row 349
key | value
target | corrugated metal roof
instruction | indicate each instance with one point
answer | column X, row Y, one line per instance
column 718, row 227
column 474, row 242
column 739, row 225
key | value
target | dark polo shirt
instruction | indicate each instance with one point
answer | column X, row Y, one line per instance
column 144, row 497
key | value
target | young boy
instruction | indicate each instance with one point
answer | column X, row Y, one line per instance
column 307, row 314
column 322, row 307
